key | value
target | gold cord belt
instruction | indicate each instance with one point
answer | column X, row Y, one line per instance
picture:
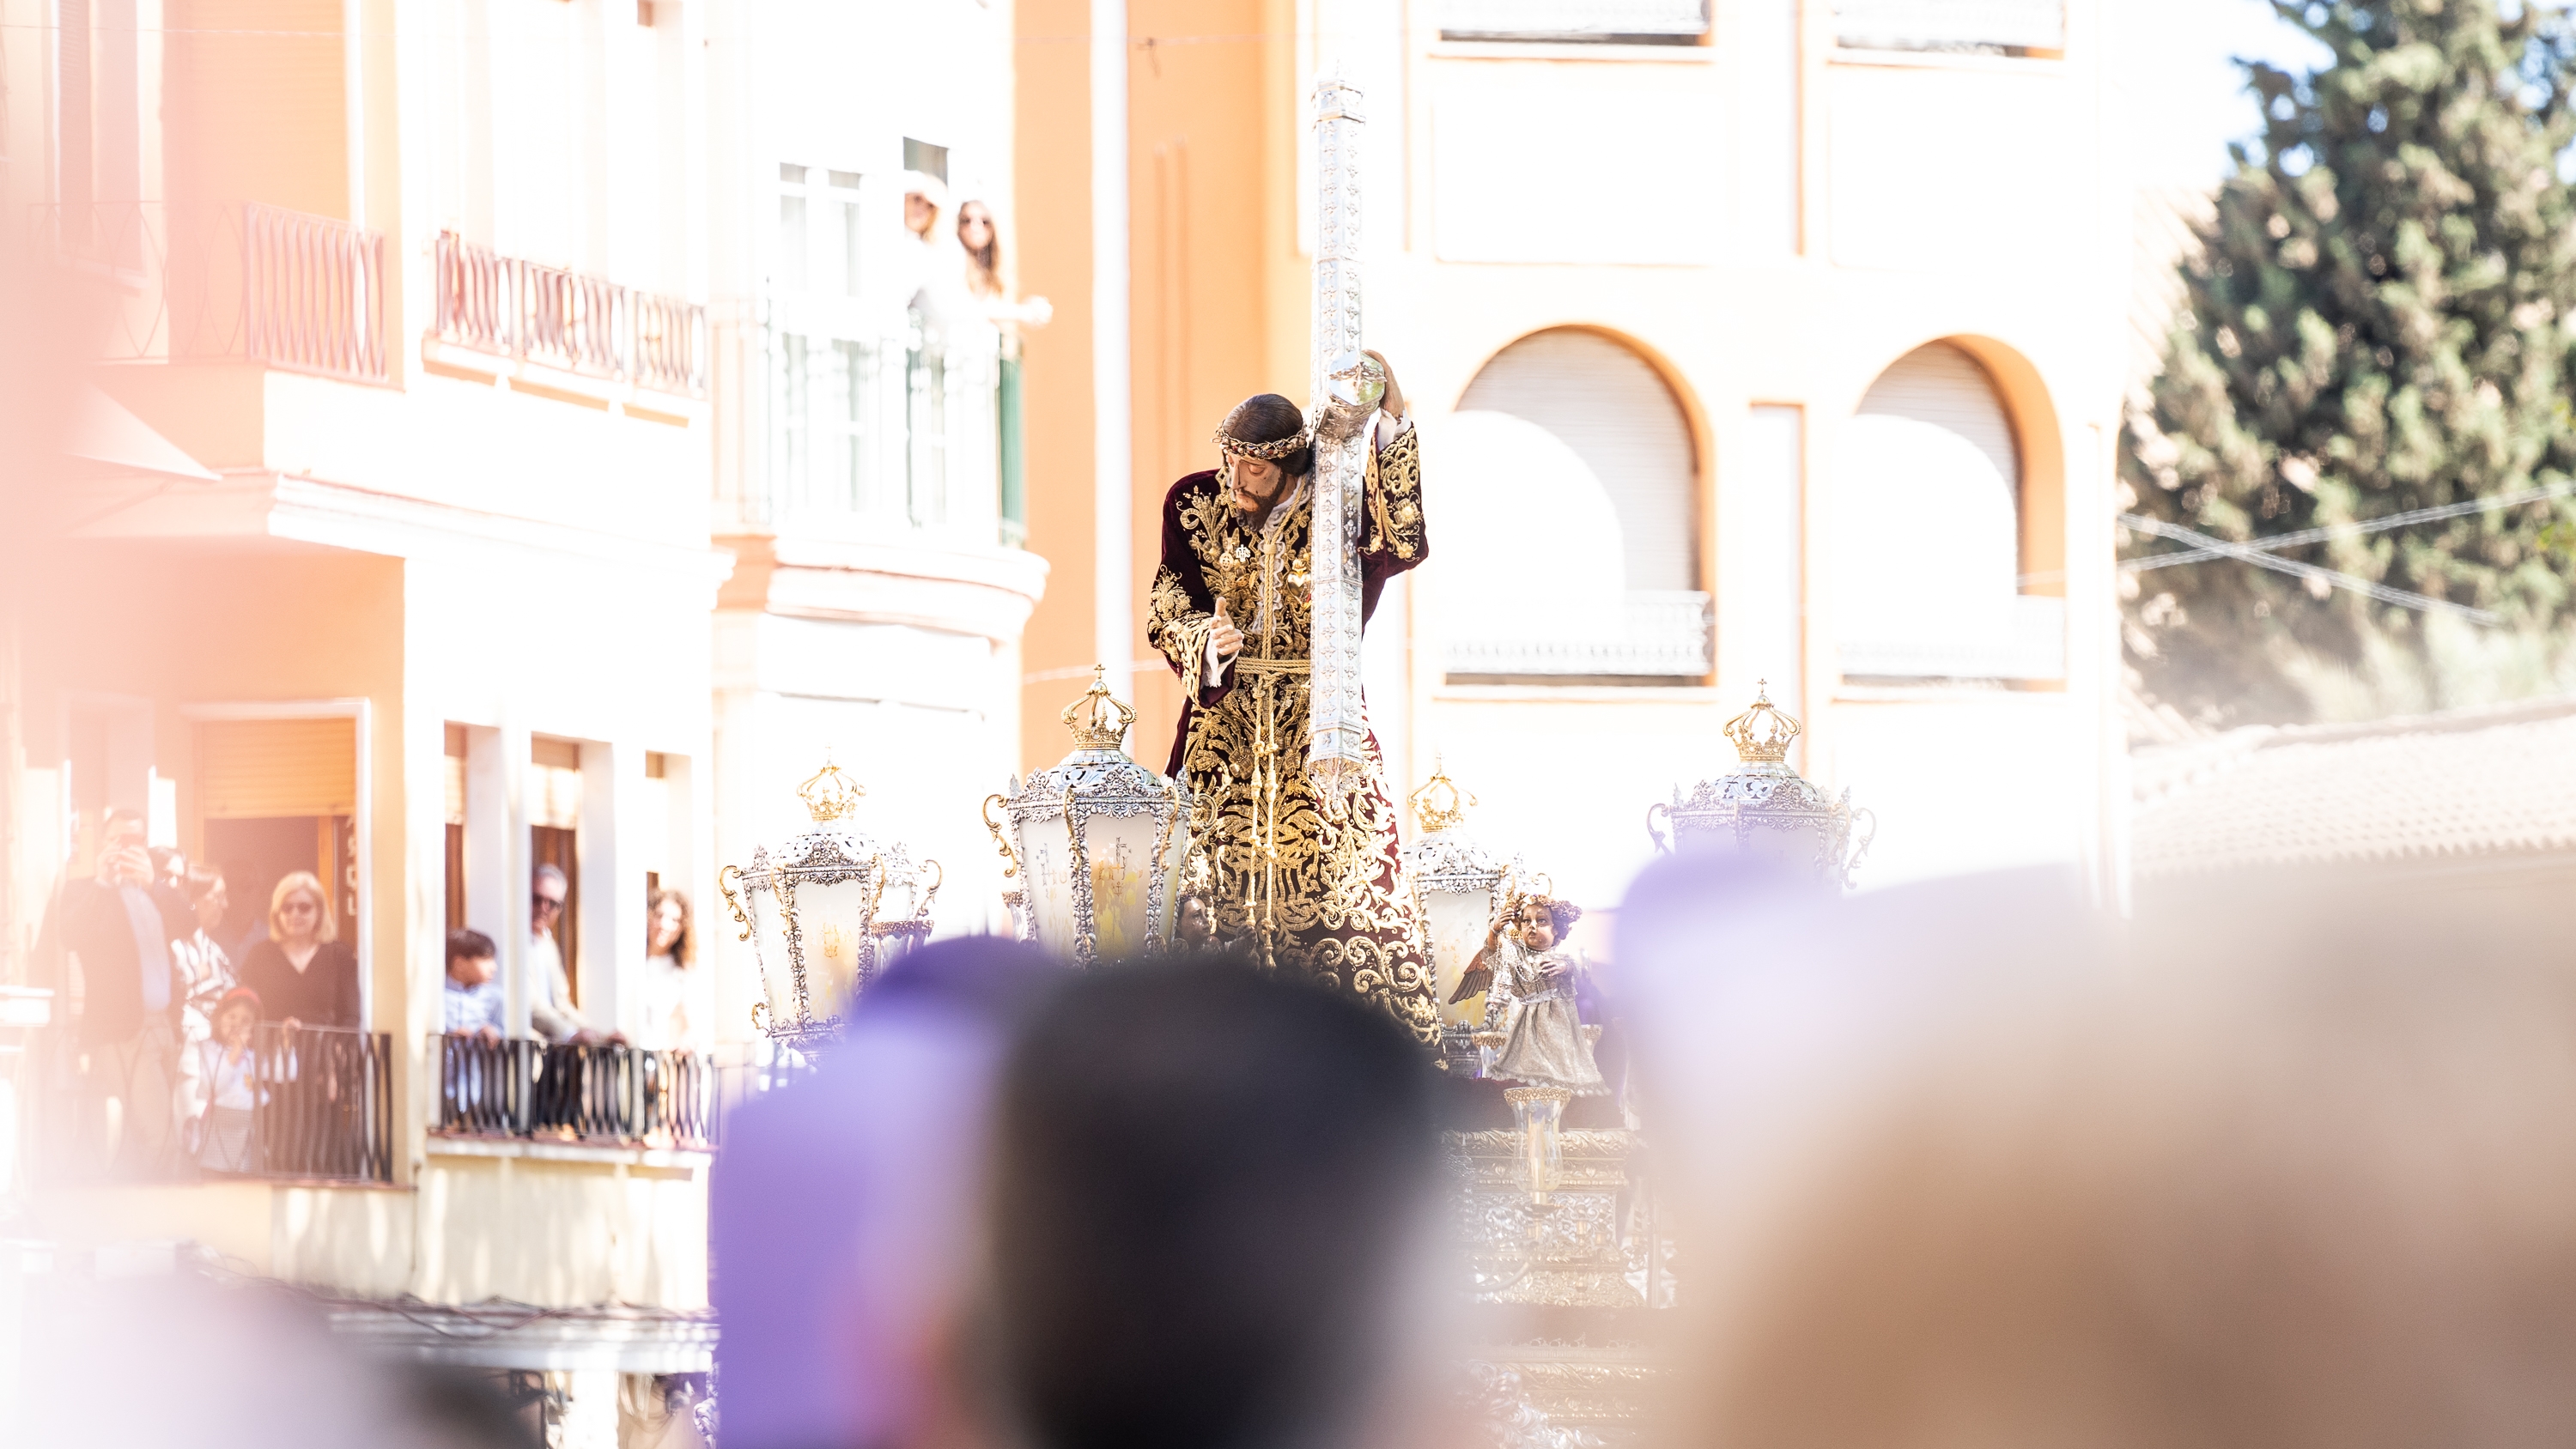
column 1261, row 883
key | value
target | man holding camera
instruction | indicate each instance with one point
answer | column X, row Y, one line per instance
column 120, row 984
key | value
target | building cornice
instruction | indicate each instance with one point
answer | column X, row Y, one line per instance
column 266, row 504
column 960, row 590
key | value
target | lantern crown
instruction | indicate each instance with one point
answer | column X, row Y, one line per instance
column 1763, row 734
column 1098, row 720
column 830, row 794
column 1440, row 805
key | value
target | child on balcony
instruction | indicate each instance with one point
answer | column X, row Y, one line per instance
column 471, row 1004
column 219, row 1089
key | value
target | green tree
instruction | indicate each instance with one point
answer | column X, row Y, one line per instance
column 2378, row 320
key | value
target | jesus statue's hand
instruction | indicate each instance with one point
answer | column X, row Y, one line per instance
column 1393, row 403
column 1227, row 638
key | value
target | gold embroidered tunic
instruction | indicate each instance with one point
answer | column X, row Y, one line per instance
column 1319, row 894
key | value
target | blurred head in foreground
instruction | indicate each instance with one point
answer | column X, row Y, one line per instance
column 2297, row 1171
column 1212, row 1201
column 843, row 1212
column 219, row 1363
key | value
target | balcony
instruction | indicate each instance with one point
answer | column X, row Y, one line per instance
column 552, row 317
column 910, row 433
column 321, row 1111
column 1649, row 22
column 1666, row 635
column 243, row 282
column 604, row 1095
column 2007, row 27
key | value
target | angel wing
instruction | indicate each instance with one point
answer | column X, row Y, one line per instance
column 1476, row 978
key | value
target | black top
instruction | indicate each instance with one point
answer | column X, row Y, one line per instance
column 324, row 993
column 90, row 920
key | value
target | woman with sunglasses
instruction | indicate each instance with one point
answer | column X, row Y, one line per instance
column 303, row 975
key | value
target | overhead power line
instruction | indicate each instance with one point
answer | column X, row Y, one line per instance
column 2213, row 547
column 2348, row 530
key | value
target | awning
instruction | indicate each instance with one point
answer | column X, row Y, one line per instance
column 103, row 431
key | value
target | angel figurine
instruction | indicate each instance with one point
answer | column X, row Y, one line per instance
column 1529, row 986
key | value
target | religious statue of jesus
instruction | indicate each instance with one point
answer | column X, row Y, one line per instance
column 1312, row 877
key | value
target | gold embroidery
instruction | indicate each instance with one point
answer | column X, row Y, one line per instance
column 1317, row 894
column 1395, row 498
column 1323, row 895
column 1178, row 630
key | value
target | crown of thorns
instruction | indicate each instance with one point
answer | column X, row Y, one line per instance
column 1270, row 452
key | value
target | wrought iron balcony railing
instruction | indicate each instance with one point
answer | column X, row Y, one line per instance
column 555, row 317
column 327, row 1104
column 232, row 281
column 308, row 1104
column 607, row 1093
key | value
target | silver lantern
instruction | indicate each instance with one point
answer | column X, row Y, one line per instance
column 1763, row 807
column 1458, row 887
column 826, row 912
column 1096, row 844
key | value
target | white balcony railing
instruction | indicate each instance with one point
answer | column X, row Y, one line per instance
column 2027, row 642
column 904, row 432
column 1961, row 25
column 1652, row 21
column 1666, row 635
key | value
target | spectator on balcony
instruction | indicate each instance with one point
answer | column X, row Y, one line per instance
column 679, row 994
column 111, row 937
column 551, row 1010
column 303, row 975
column 219, row 1087
column 205, row 967
column 471, row 1003
column 981, row 240
column 924, row 197
column 932, row 273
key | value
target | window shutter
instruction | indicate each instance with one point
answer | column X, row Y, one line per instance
column 1614, row 410
column 1945, row 387
column 260, row 769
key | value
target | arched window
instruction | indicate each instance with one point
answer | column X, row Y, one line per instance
column 1927, row 504
column 1568, row 474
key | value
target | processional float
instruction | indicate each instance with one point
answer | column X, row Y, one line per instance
column 1099, row 856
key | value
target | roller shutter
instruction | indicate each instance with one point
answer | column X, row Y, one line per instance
column 260, row 769
column 1614, row 410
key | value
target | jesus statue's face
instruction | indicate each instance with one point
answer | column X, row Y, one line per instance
column 1257, row 484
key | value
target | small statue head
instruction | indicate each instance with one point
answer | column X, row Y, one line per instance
column 1196, row 927
column 1545, row 921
